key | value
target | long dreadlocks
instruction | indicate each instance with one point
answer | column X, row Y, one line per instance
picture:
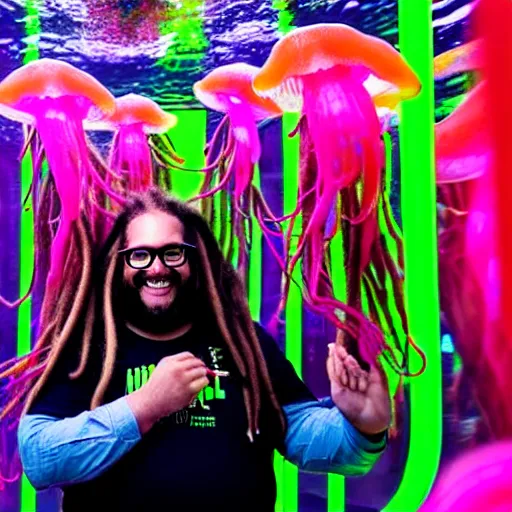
column 224, row 291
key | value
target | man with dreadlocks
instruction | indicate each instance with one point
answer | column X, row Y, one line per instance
column 166, row 395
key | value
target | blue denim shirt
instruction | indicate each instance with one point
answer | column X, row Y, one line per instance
column 56, row 451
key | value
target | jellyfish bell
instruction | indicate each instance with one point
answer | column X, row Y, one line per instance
column 135, row 118
column 323, row 47
column 134, row 109
column 228, row 89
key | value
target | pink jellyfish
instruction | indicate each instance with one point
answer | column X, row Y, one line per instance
column 471, row 285
column 463, row 157
column 494, row 19
column 323, row 71
column 56, row 98
column 131, row 156
column 228, row 89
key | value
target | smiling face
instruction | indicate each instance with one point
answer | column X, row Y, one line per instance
column 157, row 286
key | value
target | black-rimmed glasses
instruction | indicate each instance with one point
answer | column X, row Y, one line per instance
column 171, row 255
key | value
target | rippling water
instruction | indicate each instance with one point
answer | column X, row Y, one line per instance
column 159, row 48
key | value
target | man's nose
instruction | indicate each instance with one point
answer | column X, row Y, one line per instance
column 157, row 267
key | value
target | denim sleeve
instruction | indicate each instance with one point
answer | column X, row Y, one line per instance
column 56, row 451
column 320, row 439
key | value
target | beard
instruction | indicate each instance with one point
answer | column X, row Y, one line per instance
column 158, row 319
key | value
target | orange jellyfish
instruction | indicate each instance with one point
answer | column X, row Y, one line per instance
column 234, row 150
column 56, row 98
column 324, row 71
column 132, row 154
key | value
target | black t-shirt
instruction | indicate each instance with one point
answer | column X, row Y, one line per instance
column 199, row 459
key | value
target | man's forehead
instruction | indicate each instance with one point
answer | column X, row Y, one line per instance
column 154, row 229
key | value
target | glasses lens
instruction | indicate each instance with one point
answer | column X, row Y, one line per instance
column 174, row 255
column 140, row 258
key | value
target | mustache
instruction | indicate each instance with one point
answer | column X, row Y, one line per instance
column 140, row 278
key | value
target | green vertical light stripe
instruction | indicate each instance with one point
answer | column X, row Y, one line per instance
column 420, row 246
column 28, row 494
column 288, row 488
column 336, row 483
column 24, row 340
column 189, row 138
column 255, row 261
column 26, row 259
column 293, row 313
column 284, row 16
column 286, row 474
column 184, row 23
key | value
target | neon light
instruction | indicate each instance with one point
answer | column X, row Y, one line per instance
column 287, row 475
column 184, row 24
column 24, row 340
column 293, row 312
column 255, row 261
column 336, row 483
column 420, row 246
column 189, row 138
column 284, row 16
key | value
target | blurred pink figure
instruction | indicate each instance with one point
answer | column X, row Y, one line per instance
column 480, row 481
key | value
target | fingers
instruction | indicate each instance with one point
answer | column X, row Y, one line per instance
column 182, row 356
column 191, row 364
column 341, row 351
column 362, row 382
column 340, row 367
column 185, row 361
column 345, row 367
column 198, row 384
column 197, row 373
column 353, row 371
column 330, row 365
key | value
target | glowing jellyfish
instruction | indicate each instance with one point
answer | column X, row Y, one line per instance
column 132, row 155
column 235, row 149
column 56, row 98
column 337, row 77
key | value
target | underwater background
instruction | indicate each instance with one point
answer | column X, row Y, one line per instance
column 159, row 49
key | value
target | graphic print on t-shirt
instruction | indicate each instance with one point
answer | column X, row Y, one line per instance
column 199, row 413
